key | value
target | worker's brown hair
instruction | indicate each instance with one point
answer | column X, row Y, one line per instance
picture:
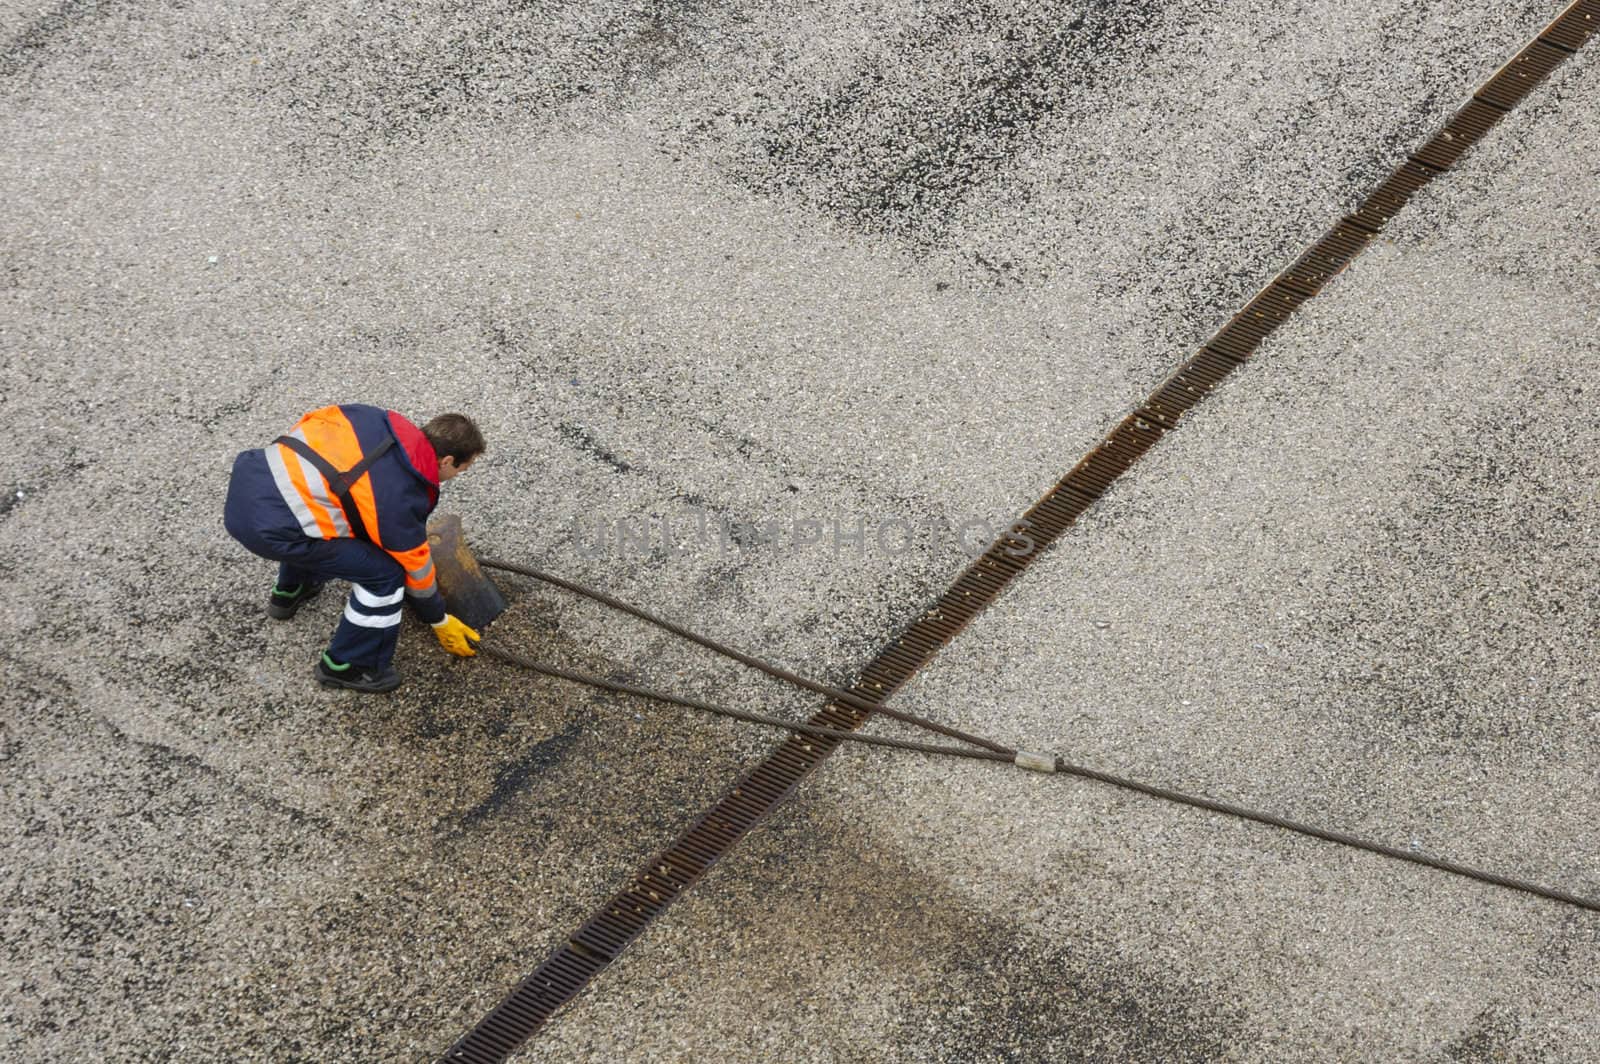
column 456, row 436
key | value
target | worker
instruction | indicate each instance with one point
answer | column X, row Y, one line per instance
column 346, row 496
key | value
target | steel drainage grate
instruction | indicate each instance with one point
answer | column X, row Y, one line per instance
column 624, row 918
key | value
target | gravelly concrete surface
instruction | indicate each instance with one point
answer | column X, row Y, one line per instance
column 807, row 261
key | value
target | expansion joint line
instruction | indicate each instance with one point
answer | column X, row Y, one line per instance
column 620, row 922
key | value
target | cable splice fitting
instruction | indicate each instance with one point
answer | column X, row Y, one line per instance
column 1036, row 762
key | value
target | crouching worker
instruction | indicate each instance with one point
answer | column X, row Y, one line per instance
column 346, row 496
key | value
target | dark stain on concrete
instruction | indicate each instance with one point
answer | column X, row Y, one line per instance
column 581, row 439
column 177, row 759
column 1007, row 1005
column 50, row 33
column 46, row 478
column 899, row 152
column 1196, row 293
column 495, row 843
column 355, row 86
column 511, row 780
column 1572, row 953
column 1443, row 652
column 636, row 401
column 810, row 884
column 1493, row 1035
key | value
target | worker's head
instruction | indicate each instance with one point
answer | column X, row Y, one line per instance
column 456, row 440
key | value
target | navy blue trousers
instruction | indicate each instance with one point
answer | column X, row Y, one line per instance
column 370, row 627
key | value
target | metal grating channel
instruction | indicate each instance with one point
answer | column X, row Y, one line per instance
column 624, row 918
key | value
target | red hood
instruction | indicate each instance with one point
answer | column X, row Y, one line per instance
column 419, row 452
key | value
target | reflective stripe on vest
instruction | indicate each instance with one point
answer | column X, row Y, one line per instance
column 346, row 517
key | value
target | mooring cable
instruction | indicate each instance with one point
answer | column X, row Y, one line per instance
column 814, row 730
column 1329, row 835
column 843, row 697
column 989, row 750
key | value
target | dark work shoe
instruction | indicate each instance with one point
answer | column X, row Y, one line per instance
column 356, row 678
column 285, row 603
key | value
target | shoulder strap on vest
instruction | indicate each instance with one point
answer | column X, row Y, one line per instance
column 340, row 483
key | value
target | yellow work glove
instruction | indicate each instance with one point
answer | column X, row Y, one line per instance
column 453, row 636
